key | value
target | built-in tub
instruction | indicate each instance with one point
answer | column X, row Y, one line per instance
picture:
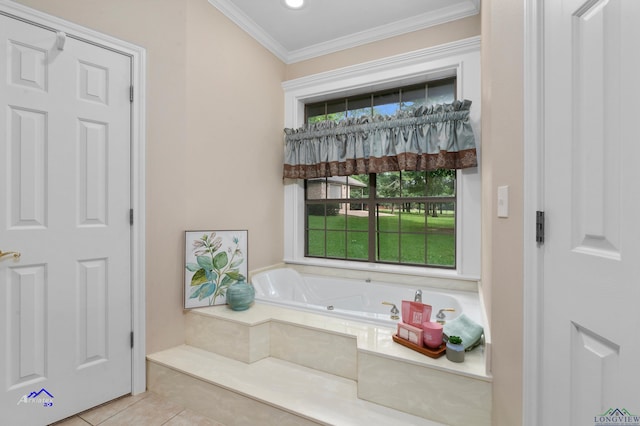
column 354, row 299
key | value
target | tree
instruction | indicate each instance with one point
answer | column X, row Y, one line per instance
column 441, row 182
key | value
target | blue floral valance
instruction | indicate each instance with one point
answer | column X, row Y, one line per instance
column 427, row 138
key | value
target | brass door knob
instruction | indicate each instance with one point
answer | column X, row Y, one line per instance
column 9, row 253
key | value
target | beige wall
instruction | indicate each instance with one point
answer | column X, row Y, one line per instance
column 206, row 167
column 502, row 162
column 235, row 116
column 429, row 37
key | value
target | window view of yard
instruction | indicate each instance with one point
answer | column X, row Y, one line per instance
column 346, row 237
column 412, row 222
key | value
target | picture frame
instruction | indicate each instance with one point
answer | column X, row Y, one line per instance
column 213, row 261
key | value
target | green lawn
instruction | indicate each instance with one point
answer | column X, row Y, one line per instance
column 350, row 240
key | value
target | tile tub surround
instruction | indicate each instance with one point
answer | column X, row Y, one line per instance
column 382, row 371
column 262, row 334
column 237, row 340
column 368, row 338
column 302, row 346
column 425, row 392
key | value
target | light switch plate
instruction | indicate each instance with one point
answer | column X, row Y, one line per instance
column 503, row 201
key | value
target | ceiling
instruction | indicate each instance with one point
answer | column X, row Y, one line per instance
column 325, row 26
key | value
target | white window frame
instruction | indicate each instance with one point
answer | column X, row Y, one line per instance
column 460, row 59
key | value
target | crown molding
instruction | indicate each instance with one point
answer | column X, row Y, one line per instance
column 248, row 25
column 419, row 22
column 382, row 32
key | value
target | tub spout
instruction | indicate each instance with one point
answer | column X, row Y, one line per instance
column 418, row 296
column 394, row 310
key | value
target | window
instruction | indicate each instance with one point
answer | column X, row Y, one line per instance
column 387, row 102
column 401, row 217
column 460, row 63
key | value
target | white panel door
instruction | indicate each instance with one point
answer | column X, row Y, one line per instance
column 65, row 317
column 591, row 330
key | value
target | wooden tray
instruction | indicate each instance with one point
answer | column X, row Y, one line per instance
column 433, row 353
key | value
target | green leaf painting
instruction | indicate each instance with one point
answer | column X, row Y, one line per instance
column 214, row 261
column 200, row 277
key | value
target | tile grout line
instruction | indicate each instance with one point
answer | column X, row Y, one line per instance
column 107, row 404
column 168, row 420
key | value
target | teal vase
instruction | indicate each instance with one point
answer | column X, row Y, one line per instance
column 240, row 295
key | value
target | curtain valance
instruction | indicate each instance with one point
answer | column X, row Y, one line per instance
column 427, row 138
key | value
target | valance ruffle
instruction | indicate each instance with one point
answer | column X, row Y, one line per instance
column 427, row 138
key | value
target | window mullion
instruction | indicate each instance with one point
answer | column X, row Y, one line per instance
column 373, row 235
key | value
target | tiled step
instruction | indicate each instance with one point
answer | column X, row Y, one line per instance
column 269, row 391
column 383, row 371
column 249, row 336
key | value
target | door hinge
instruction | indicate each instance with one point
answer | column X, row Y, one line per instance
column 539, row 227
column 130, row 93
column 130, row 216
column 132, row 339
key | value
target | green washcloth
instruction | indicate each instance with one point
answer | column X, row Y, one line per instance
column 468, row 330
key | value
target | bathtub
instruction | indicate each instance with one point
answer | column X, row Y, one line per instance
column 353, row 299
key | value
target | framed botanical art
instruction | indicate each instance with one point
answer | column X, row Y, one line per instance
column 213, row 261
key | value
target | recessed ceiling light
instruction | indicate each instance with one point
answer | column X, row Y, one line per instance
column 294, row 4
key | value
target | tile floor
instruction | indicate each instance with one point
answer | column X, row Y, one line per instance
column 146, row 409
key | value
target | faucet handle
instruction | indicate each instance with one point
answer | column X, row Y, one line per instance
column 440, row 314
column 394, row 310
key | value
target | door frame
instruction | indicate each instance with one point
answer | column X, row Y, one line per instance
column 533, row 197
column 138, row 141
